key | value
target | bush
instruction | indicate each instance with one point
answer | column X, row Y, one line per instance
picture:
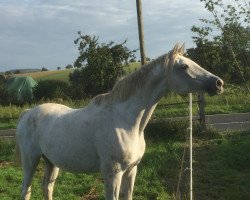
column 51, row 89
column 4, row 96
column 69, row 66
column 166, row 130
column 44, row 69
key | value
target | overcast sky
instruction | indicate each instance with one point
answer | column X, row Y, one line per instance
column 41, row 33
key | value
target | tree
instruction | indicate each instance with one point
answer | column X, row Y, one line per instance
column 17, row 71
column 44, row 69
column 132, row 60
column 99, row 65
column 228, row 52
column 8, row 73
column 2, row 79
column 3, row 93
column 69, row 66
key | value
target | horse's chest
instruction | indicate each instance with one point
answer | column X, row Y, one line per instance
column 131, row 157
column 126, row 153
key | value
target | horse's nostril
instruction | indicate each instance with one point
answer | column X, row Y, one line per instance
column 219, row 83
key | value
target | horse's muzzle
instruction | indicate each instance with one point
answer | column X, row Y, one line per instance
column 215, row 86
column 219, row 86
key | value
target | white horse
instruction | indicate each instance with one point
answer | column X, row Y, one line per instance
column 107, row 135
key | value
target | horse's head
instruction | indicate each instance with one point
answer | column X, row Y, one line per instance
column 186, row 76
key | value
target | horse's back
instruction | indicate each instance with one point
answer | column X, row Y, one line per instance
column 30, row 118
column 50, row 109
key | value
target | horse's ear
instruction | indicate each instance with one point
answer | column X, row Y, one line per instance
column 175, row 49
column 182, row 49
column 172, row 53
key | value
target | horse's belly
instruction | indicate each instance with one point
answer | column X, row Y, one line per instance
column 73, row 158
column 75, row 164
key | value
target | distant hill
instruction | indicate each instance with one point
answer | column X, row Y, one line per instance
column 38, row 74
column 49, row 75
column 23, row 71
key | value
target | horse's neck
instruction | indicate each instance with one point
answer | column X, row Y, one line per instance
column 141, row 105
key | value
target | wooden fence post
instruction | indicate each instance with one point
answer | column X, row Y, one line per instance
column 141, row 32
column 201, row 105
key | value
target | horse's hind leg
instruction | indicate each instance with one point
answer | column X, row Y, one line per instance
column 29, row 163
column 51, row 173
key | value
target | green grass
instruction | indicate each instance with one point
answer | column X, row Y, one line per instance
column 222, row 168
column 61, row 75
column 7, row 123
column 132, row 67
column 221, row 171
column 9, row 114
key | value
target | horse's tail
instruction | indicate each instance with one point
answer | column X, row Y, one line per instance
column 17, row 155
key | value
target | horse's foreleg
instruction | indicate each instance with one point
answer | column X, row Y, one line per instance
column 112, row 184
column 127, row 185
column 51, row 173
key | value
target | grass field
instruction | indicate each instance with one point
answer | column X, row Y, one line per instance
column 64, row 74
column 221, row 171
column 49, row 75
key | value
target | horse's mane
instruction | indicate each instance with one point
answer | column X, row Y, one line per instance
column 125, row 87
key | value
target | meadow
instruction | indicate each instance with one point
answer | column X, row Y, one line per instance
column 221, row 159
column 63, row 74
column 221, row 170
column 49, row 75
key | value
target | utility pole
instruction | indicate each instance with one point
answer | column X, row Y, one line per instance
column 141, row 32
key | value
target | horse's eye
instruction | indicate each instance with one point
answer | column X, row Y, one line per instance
column 184, row 67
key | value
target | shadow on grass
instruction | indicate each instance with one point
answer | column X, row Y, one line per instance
column 221, row 166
